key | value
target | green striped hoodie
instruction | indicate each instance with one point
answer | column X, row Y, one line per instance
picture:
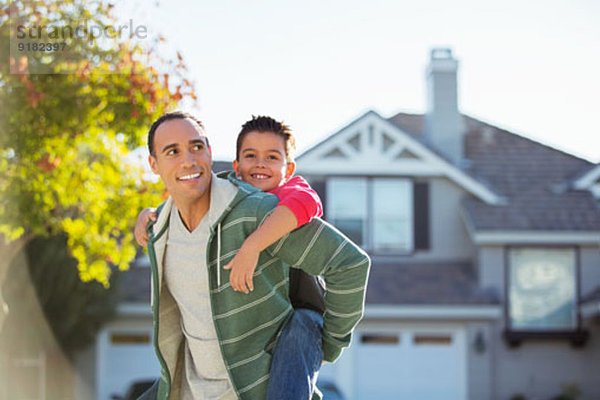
column 248, row 325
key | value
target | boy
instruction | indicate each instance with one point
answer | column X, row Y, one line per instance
column 264, row 158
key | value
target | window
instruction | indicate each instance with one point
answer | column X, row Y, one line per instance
column 434, row 339
column 347, row 208
column 392, row 222
column 542, row 289
column 380, row 338
column 376, row 213
column 129, row 338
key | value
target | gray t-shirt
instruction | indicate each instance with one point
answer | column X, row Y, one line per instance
column 186, row 275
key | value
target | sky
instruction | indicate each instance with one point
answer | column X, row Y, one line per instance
column 532, row 67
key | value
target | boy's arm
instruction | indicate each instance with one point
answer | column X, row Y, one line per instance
column 299, row 197
column 298, row 203
column 281, row 222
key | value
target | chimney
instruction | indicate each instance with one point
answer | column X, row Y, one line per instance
column 443, row 122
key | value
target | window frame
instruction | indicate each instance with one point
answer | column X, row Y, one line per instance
column 515, row 336
column 369, row 223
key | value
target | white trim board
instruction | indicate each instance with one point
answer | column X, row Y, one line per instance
column 441, row 312
column 502, row 237
column 534, row 237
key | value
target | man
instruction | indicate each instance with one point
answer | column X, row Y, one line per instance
column 213, row 342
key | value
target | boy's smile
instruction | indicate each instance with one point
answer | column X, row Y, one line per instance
column 262, row 161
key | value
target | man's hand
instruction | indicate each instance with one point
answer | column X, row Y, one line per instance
column 141, row 236
column 242, row 267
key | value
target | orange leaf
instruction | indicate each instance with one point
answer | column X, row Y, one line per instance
column 48, row 163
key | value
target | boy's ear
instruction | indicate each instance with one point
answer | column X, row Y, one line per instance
column 289, row 171
column 236, row 167
column 153, row 165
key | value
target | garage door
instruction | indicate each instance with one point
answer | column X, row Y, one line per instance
column 124, row 355
column 410, row 362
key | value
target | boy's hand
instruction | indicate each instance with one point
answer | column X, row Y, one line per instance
column 242, row 266
column 146, row 215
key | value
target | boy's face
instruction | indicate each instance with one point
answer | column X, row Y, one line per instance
column 183, row 159
column 261, row 161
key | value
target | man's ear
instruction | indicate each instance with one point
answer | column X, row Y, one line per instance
column 153, row 164
column 289, row 171
column 236, row 167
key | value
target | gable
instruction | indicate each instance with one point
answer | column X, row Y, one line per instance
column 371, row 145
column 368, row 145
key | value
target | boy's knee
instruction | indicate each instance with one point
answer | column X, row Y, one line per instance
column 303, row 325
column 309, row 318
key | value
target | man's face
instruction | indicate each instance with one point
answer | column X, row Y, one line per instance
column 262, row 160
column 183, row 160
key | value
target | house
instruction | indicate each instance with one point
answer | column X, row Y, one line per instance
column 485, row 280
column 486, row 254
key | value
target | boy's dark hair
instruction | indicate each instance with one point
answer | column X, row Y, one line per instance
column 167, row 117
column 268, row 124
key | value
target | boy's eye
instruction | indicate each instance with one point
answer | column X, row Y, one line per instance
column 273, row 157
column 248, row 155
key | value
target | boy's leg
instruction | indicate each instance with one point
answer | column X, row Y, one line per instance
column 297, row 357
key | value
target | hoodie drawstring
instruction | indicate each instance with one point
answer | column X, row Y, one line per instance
column 219, row 255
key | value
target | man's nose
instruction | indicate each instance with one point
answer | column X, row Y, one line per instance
column 188, row 159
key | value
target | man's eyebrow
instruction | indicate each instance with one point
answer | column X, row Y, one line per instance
column 195, row 141
column 168, row 147
column 174, row 145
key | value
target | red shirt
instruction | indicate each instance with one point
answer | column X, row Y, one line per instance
column 299, row 197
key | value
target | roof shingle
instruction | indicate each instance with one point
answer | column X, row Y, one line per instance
column 426, row 283
column 534, row 178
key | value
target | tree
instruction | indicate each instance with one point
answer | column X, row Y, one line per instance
column 65, row 136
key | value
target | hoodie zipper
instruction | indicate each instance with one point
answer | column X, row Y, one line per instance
column 210, row 295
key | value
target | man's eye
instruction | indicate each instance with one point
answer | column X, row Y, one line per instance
column 171, row 152
column 198, row 147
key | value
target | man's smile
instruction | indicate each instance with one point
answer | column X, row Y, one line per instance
column 189, row 177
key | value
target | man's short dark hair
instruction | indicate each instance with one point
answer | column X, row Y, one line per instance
column 268, row 124
column 167, row 117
